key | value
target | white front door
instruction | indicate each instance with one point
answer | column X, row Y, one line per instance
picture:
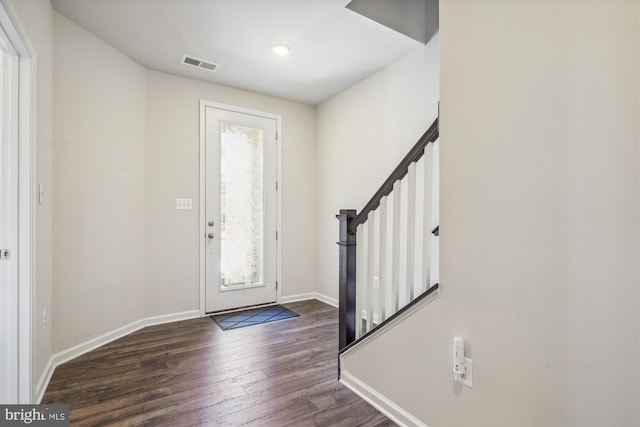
column 240, row 209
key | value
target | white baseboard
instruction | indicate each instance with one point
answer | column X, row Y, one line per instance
column 325, row 299
column 296, row 298
column 85, row 347
column 173, row 317
column 310, row 295
column 394, row 412
column 43, row 382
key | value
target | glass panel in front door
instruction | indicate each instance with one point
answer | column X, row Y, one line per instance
column 242, row 206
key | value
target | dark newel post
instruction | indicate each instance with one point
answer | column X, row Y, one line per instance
column 347, row 280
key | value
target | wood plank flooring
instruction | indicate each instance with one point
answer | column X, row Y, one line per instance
column 191, row 373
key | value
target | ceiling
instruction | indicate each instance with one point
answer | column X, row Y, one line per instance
column 332, row 47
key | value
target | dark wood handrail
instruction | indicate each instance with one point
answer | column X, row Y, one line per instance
column 431, row 135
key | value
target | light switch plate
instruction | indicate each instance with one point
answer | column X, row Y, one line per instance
column 184, row 204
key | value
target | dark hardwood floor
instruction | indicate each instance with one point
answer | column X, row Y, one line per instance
column 191, row 373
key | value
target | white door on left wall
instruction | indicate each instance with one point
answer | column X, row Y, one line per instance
column 16, row 212
column 9, row 62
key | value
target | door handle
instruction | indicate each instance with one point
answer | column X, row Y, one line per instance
column 210, row 235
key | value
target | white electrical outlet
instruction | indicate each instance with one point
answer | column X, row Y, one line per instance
column 44, row 317
column 462, row 372
column 376, row 282
column 467, row 379
column 184, row 204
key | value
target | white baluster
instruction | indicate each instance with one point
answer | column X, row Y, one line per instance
column 382, row 262
column 395, row 249
column 427, row 237
column 411, row 234
column 371, row 240
column 361, row 270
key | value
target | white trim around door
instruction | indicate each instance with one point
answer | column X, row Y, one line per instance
column 18, row 184
column 204, row 105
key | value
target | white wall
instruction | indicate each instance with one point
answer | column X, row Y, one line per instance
column 35, row 20
column 539, row 223
column 363, row 133
column 98, row 170
column 172, row 171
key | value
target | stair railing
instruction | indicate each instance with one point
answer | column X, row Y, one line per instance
column 383, row 235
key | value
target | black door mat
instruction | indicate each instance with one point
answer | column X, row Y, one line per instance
column 252, row 316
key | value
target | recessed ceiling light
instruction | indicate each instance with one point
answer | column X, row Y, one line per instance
column 281, row 49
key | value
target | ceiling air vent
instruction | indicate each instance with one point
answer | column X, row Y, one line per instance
column 199, row 63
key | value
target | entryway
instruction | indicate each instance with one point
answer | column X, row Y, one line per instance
column 238, row 207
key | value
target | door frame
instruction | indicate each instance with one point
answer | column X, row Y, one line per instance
column 19, row 326
column 204, row 104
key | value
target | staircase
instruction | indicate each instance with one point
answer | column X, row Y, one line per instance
column 389, row 250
